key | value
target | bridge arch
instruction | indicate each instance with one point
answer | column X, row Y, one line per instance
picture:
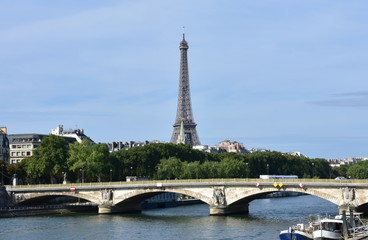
column 252, row 194
column 29, row 198
column 141, row 195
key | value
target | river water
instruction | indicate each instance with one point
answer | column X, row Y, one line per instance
column 264, row 222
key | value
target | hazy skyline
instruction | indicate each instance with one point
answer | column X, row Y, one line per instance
column 282, row 75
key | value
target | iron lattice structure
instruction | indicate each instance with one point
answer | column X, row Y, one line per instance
column 184, row 114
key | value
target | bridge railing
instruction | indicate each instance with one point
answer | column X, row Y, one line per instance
column 217, row 180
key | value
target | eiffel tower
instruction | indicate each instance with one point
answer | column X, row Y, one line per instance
column 184, row 126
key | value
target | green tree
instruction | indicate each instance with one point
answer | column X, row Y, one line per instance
column 340, row 171
column 232, row 168
column 78, row 157
column 191, row 170
column 49, row 158
column 169, row 168
column 90, row 162
column 98, row 163
column 143, row 161
column 359, row 171
column 210, row 169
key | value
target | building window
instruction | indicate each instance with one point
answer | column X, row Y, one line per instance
column 28, row 153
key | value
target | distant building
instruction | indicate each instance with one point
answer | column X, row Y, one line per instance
column 205, row 148
column 297, row 154
column 23, row 145
column 252, row 150
column 334, row 162
column 78, row 134
column 116, row 146
column 345, row 162
column 353, row 160
column 4, row 145
column 231, row 146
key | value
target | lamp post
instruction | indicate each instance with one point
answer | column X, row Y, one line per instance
column 312, row 170
column 82, row 175
column 110, row 175
column 247, row 169
column 268, row 169
column 131, row 171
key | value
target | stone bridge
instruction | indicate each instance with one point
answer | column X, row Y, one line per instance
column 224, row 196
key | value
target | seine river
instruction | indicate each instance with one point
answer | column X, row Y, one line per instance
column 266, row 218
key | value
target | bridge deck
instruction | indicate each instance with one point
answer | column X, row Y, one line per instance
column 225, row 181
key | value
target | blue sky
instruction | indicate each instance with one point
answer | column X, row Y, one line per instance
column 283, row 75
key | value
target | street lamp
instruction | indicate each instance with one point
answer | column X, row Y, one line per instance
column 247, row 169
column 131, row 171
column 82, row 174
column 268, row 169
column 110, row 175
column 312, row 170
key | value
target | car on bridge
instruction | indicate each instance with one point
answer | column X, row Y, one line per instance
column 340, row 178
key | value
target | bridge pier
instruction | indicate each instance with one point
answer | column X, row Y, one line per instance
column 4, row 197
column 228, row 210
column 348, row 209
column 126, row 208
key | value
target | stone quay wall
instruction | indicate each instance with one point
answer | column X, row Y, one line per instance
column 4, row 197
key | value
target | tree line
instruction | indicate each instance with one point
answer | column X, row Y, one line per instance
column 55, row 161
